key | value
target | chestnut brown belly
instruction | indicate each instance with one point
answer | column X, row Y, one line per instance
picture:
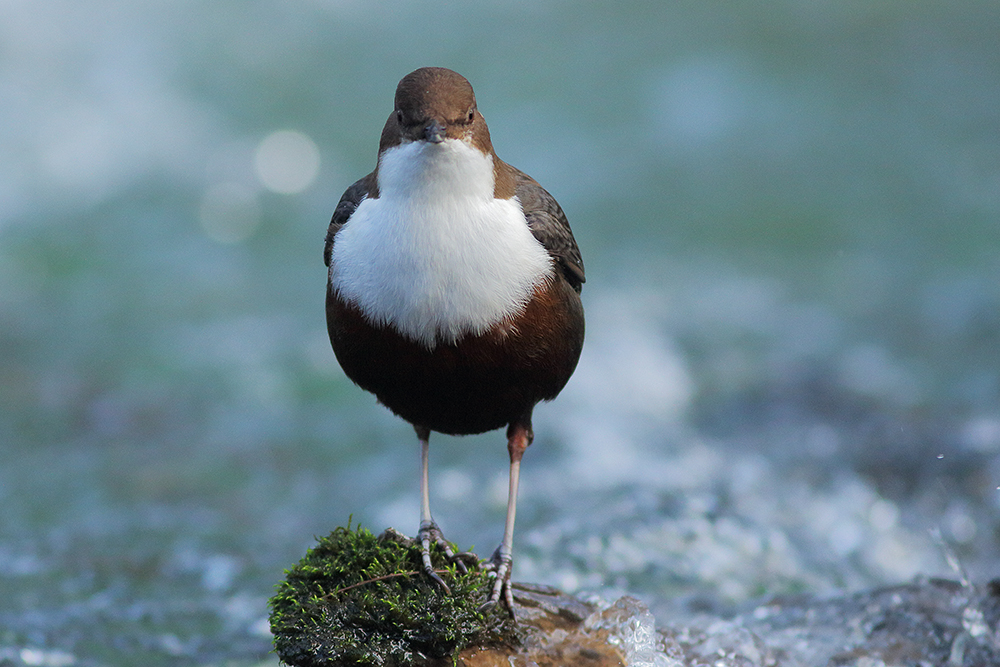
column 481, row 382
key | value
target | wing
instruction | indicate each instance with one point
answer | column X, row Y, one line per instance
column 345, row 209
column 549, row 225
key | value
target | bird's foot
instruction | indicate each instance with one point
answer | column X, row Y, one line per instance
column 429, row 532
column 499, row 565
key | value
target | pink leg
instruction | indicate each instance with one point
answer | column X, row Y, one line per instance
column 519, row 436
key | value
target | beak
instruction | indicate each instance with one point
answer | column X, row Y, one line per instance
column 434, row 132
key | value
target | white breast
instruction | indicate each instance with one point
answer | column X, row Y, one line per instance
column 436, row 256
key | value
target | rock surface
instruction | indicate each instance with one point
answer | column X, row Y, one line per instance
column 926, row 622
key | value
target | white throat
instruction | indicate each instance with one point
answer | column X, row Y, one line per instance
column 436, row 256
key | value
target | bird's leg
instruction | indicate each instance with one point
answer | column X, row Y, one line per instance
column 519, row 436
column 429, row 531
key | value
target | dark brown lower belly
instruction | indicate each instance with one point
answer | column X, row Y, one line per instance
column 478, row 384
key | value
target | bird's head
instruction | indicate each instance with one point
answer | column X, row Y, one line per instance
column 434, row 104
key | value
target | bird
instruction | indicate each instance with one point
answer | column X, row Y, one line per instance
column 453, row 290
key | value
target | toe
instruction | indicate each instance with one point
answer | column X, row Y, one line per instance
column 501, row 565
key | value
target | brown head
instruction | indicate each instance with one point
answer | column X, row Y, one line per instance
column 434, row 104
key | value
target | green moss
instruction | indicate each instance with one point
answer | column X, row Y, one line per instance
column 358, row 599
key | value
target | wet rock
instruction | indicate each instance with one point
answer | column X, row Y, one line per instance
column 554, row 631
column 925, row 623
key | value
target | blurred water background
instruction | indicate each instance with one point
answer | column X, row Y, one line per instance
column 790, row 217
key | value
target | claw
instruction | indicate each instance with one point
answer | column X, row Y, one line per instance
column 467, row 560
column 500, row 564
column 429, row 532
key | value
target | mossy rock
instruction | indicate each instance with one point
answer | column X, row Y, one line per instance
column 358, row 599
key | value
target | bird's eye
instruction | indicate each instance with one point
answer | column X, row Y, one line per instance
column 399, row 117
column 472, row 114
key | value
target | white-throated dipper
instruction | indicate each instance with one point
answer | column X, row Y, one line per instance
column 454, row 286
